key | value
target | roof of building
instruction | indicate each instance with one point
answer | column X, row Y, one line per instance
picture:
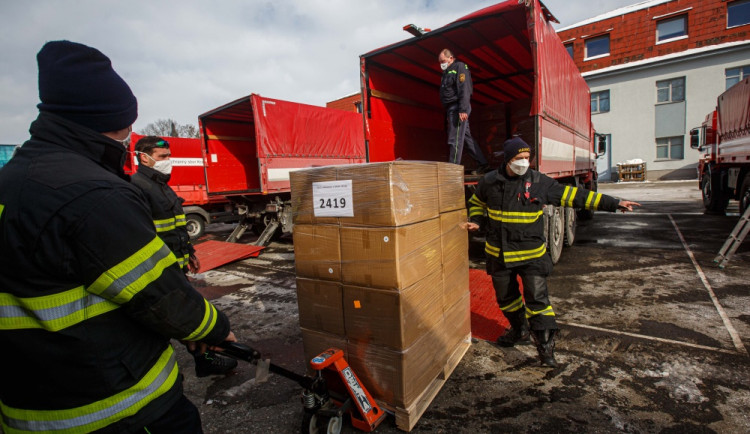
column 686, row 53
column 616, row 13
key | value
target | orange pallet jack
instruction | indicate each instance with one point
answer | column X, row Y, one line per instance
column 334, row 390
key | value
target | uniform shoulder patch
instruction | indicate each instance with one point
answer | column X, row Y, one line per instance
column 462, row 77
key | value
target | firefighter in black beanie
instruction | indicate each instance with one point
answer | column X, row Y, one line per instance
column 509, row 202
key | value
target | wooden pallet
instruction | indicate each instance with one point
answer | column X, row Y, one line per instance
column 632, row 172
column 407, row 418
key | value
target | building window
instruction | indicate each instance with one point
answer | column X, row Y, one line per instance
column 670, row 148
column 670, row 90
column 672, row 28
column 600, row 102
column 736, row 75
column 598, row 47
column 738, row 13
column 569, row 47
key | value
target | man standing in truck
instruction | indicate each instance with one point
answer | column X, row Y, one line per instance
column 509, row 202
column 154, row 172
column 455, row 94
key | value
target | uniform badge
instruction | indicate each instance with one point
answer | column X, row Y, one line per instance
column 462, row 78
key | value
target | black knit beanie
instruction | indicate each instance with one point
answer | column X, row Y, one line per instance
column 513, row 147
column 78, row 83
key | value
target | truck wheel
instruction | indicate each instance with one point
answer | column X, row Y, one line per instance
column 195, row 225
column 714, row 200
column 745, row 195
column 556, row 233
column 570, row 226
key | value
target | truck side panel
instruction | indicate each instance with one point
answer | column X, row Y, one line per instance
column 734, row 124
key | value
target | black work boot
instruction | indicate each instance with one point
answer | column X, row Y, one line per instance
column 210, row 363
column 545, row 346
column 518, row 330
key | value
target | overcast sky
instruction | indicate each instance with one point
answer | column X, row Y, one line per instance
column 183, row 58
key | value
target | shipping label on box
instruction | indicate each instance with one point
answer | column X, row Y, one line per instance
column 391, row 194
column 317, row 251
column 303, row 204
column 320, row 306
column 394, row 319
column 390, row 258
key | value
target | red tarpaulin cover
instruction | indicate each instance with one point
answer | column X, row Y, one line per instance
column 213, row 254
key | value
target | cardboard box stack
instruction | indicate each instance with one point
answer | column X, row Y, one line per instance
column 382, row 270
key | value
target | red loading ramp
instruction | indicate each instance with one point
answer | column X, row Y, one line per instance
column 487, row 321
column 213, row 254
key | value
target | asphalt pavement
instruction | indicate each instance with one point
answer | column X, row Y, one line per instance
column 654, row 336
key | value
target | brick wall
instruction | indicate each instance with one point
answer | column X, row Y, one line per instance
column 347, row 103
column 633, row 35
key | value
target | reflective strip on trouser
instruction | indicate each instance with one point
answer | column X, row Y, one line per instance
column 535, row 300
column 126, row 279
column 165, row 225
column 157, row 381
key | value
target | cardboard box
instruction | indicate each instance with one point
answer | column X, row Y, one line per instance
column 394, row 319
column 394, row 193
column 315, row 342
column 451, row 194
column 457, row 320
column 455, row 256
column 320, row 306
column 390, row 257
column 397, row 377
column 317, row 251
column 300, row 183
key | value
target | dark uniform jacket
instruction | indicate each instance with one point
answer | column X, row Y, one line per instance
column 456, row 87
column 511, row 210
column 166, row 210
column 89, row 294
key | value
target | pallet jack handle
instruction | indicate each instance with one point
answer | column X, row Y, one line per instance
column 243, row 352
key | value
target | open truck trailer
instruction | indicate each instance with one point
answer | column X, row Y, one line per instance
column 251, row 144
column 525, row 84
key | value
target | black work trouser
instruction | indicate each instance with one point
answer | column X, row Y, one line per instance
column 459, row 134
column 535, row 300
column 182, row 418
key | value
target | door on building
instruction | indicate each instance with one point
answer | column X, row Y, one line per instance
column 604, row 162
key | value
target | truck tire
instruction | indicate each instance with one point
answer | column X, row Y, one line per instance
column 195, row 224
column 556, row 233
column 715, row 200
column 570, row 226
column 745, row 194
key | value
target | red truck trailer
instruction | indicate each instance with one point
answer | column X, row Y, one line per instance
column 188, row 180
column 724, row 137
column 525, row 84
column 250, row 145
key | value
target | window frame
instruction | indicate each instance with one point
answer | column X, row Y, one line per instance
column 569, row 49
column 683, row 18
column 596, row 38
column 744, row 72
column 669, row 145
column 671, row 90
column 598, row 94
column 735, row 3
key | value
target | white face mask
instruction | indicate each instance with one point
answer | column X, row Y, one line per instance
column 162, row 166
column 444, row 65
column 519, row 167
column 126, row 141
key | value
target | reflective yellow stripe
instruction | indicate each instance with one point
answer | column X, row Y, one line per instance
column 157, row 381
column 571, row 197
column 514, row 217
column 475, row 201
column 180, row 220
column 126, row 279
column 184, row 260
column 596, row 202
column 52, row 312
column 523, row 255
column 589, row 198
column 205, row 327
column 475, row 211
column 547, row 311
column 492, row 250
column 2, row 208
column 165, row 225
column 513, row 306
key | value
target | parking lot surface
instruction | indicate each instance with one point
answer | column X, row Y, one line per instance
column 654, row 337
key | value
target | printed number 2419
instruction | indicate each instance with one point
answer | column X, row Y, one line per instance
column 333, row 203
